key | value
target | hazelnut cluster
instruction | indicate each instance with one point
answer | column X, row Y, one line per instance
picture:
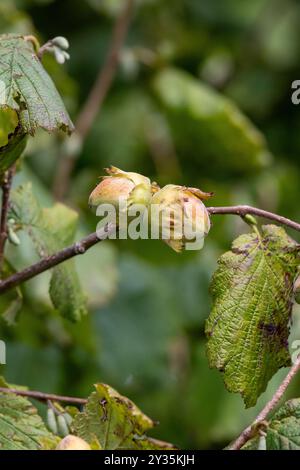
column 173, row 203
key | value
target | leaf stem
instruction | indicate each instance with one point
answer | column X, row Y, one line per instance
column 249, row 432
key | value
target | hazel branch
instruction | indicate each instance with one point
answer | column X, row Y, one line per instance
column 40, row 396
column 242, row 211
column 51, row 261
column 249, row 432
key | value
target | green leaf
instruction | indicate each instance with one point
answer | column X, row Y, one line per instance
column 12, row 140
column 214, row 128
column 21, row 428
column 8, row 123
column 13, row 150
column 283, row 432
column 51, row 230
column 10, row 302
column 114, row 422
column 4, row 384
column 28, row 88
column 248, row 327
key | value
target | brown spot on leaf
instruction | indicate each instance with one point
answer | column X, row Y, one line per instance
column 103, row 404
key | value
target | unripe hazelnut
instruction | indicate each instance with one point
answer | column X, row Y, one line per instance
column 133, row 188
column 184, row 220
column 71, row 442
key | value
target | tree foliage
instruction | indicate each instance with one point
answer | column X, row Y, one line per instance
column 248, row 327
column 201, row 100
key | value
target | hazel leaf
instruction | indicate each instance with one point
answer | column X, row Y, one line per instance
column 283, row 432
column 214, row 127
column 252, row 293
column 21, row 428
column 115, row 422
column 11, row 302
column 12, row 140
column 51, row 230
column 28, row 89
column 8, row 122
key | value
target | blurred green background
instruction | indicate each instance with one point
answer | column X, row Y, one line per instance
column 189, row 74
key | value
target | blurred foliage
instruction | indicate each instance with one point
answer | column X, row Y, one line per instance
column 189, row 75
column 52, row 229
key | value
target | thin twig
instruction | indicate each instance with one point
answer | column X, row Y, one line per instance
column 44, row 396
column 106, row 75
column 244, row 210
column 94, row 102
column 49, row 262
column 250, row 430
column 6, row 186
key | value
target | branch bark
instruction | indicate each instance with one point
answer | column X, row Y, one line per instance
column 244, row 210
column 51, row 261
column 94, row 102
column 250, row 430
column 44, row 396
column 6, row 186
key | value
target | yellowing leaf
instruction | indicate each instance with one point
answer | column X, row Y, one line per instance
column 8, row 123
column 114, row 422
column 12, row 140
